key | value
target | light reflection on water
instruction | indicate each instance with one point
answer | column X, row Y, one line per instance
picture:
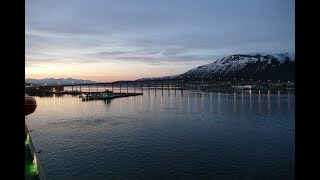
column 189, row 134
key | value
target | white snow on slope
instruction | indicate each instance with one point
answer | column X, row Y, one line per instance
column 239, row 61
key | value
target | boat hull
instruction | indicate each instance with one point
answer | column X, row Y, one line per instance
column 30, row 105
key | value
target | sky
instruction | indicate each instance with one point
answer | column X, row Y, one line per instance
column 109, row 40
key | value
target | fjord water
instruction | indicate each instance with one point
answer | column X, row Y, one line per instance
column 187, row 134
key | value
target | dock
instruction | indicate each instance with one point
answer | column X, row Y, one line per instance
column 97, row 96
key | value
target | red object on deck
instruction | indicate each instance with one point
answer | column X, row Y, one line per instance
column 30, row 104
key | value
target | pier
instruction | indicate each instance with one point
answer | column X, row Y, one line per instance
column 97, row 95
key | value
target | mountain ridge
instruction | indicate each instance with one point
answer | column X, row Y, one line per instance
column 255, row 66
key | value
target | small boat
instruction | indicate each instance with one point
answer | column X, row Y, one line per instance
column 107, row 95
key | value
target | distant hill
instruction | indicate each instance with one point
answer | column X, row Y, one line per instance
column 247, row 66
column 61, row 81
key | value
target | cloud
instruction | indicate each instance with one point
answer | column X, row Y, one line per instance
column 153, row 32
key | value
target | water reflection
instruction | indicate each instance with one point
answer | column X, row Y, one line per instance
column 89, row 127
column 188, row 103
column 54, row 102
column 250, row 101
column 171, row 101
column 278, row 101
column 202, row 101
column 234, row 102
column 242, row 101
column 288, row 101
column 141, row 103
column 120, row 104
column 219, row 103
column 211, row 100
column 227, row 98
column 195, row 101
column 151, row 102
column 131, row 103
column 269, row 107
column 180, row 102
column 107, row 102
column 161, row 102
column 259, row 106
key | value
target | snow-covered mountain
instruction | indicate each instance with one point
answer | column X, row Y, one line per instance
column 247, row 66
column 61, row 81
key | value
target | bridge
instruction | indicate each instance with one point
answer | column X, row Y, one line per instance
column 167, row 83
column 156, row 83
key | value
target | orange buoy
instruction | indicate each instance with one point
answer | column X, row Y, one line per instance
column 30, row 104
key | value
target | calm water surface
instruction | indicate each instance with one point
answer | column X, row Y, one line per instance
column 171, row 135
